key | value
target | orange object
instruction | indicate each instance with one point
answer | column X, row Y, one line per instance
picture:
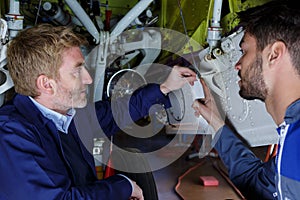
column 99, row 171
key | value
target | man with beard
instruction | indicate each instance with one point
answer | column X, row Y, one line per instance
column 269, row 70
column 42, row 155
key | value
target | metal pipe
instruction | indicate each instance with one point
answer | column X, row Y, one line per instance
column 84, row 19
column 216, row 18
column 129, row 17
column 215, row 30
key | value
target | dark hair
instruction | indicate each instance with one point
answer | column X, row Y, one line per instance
column 277, row 20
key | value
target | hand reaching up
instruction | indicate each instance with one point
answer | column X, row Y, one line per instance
column 208, row 109
column 178, row 77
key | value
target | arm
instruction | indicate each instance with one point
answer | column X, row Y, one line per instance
column 254, row 178
column 125, row 111
column 32, row 167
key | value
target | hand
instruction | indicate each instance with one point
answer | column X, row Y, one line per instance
column 208, row 109
column 137, row 192
column 177, row 78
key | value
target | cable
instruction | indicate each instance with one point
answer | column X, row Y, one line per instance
column 271, row 152
column 187, row 37
column 225, row 176
column 183, row 175
column 38, row 12
column 218, row 168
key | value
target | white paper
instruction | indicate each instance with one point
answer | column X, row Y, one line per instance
column 197, row 90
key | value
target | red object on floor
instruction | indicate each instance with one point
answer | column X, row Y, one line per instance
column 209, row 181
column 109, row 170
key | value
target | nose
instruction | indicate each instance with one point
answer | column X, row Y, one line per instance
column 86, row 78
column 237, row 66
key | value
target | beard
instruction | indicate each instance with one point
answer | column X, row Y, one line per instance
column 70, row 98
column 252, row 83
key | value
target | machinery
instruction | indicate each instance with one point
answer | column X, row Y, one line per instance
column 5, row 80
column 131, row 37
column 135, row 42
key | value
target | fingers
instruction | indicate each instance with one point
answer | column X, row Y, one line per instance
column 196, row 107
column 178, row 77
column 208, row 110
column 137, row 192
column 187, row 73
column 205, row 88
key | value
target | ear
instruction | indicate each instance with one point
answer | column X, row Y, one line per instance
column 45, row 84
column 278, row 49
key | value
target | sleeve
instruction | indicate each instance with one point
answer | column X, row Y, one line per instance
column 32, row 167
column 125, row 111
column 254, row 178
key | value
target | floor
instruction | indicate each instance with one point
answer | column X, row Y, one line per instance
column 180, row 180
column 167, row 178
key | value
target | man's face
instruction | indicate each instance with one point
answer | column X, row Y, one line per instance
column 250, row 66
column 73, row 81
